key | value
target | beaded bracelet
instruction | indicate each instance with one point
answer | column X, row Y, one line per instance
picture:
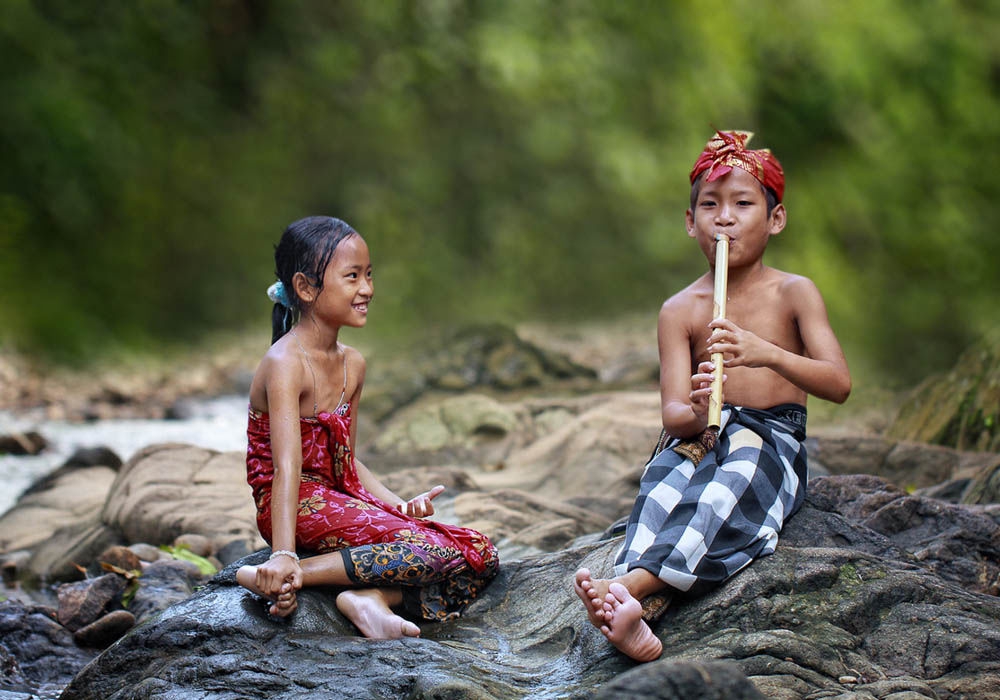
column 279, row 552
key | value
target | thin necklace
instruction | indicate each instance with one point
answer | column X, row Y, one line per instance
column 340, row 349
column 311, row 370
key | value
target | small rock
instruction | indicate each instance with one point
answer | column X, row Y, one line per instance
column 120, row 557
column 147, row 552
column 29, row 443
column 104, row 631
column 162, row 584
column 197, row 544
column 82, row 602
column 94, row 457
column 12, row 562
column 181, row 409
column 233, row 550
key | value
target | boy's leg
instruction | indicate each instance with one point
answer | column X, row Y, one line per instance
column 639, row 583
column 728, row 512
column 625, row 628
column 614, row 606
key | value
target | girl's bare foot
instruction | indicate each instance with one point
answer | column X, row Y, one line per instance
column 593, row 599
column 625, row 628
column 282, row 606
column 368, row 610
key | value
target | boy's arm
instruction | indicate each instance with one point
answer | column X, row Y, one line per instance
column 685, row 409
column 820, row 371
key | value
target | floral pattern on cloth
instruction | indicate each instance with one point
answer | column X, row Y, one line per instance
column 335, row 510
column 437, row 583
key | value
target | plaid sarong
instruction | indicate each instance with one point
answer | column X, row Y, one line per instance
column 694, row 526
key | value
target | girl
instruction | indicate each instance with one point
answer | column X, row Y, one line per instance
column 311, row 493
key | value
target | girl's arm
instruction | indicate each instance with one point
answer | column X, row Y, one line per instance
column 419, row 506
column 283, row 384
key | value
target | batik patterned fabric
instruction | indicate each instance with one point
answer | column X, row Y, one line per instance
column 336, row 512
column 695, row 525
column 728, row 149
column 437, row 582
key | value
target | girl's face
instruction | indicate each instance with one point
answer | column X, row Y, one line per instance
column 347, row 285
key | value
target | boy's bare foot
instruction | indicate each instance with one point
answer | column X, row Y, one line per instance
column 593, row 599
column 625, row 628
column 369, row 612
column 282, row 606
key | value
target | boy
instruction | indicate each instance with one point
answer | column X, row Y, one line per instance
column 706, row 511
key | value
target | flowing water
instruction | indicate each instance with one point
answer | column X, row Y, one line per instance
column 217, row 423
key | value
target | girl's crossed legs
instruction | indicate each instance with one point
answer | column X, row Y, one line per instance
column 427, row 580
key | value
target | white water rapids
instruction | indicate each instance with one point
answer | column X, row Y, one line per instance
column 218, row 423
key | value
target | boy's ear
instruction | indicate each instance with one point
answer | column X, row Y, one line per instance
column 689, row 222
column 303, row 290
column 778, row 219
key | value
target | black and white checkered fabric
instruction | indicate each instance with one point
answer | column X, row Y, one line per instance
column 694, row 526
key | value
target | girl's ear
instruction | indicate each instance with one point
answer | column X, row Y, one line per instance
column 303, row 289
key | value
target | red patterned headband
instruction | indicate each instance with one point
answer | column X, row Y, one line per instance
column 728, row 149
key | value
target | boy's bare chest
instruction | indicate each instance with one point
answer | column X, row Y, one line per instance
column 764, row 313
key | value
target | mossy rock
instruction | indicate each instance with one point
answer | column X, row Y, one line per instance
column 479, row 357
column 959, row 409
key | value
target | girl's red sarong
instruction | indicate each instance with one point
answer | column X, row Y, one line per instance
column 336, row 512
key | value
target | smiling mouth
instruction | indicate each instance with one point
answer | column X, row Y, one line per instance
column 362, row 307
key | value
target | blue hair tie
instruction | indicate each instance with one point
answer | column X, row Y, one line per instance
column 278, row 294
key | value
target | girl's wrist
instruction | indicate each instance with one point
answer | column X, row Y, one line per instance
column 284, row 553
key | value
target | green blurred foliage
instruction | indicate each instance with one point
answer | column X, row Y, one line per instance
column 504, row 160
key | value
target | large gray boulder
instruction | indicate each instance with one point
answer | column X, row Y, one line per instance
column 71, row 502
column 840, row 610
column 168, row 490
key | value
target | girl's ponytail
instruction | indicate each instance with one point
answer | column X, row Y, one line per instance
column 283, row 313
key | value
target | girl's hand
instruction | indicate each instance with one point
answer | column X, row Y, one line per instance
column 274, row 573
column 421, row 506
column 741, row 348
column 701, row 388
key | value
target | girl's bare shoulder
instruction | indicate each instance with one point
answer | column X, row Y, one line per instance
column 355, row 361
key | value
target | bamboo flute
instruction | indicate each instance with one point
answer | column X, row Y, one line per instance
column 718, row 311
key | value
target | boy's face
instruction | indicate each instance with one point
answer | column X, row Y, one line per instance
column 735, row 206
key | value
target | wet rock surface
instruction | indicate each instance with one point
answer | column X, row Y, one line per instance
column 839, row 610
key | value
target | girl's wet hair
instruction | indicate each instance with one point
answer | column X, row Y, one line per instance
column 306, row 246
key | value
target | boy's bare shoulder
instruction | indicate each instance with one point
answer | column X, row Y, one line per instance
column 793, row 284
column 689, row 298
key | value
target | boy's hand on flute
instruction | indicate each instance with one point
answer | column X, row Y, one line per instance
column 701, row 388
column 740, row 347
